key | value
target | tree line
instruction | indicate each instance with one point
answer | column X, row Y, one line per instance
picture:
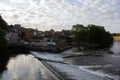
column 3, row 28
column 91, row 35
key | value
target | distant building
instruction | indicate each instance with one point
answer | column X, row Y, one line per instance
column 27, row 34
column 12, row 37
column 51, row 43
column 40, row 43
column 17, row 27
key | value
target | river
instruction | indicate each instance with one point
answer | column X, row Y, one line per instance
column 108, row 64
column 27, row 67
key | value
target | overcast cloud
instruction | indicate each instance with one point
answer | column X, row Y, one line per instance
column 61, row 14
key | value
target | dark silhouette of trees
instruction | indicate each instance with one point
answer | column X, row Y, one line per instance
column 99, row 35
column 3, row 55
column 91, row 34
column 3, row 24
column 2, row 40
column 3, row 28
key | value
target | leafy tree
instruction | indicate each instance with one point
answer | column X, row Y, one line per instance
column 77, row 31
column 3, row 27
column 3, row 24
column 3, row 56
column 92, row 34
column 80, row 34
column 2, row 40
column 98, row 35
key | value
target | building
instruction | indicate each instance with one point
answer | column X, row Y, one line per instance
column 12, row 37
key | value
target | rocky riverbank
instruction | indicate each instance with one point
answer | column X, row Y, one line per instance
column 49, row 48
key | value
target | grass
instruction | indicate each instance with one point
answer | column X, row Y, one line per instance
column 116, row 38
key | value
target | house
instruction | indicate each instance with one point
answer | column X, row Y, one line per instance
column 12, row 37
column 51, row 43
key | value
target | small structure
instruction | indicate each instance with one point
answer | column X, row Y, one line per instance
column 12, row 37
column 40, row 44
column 51, row 43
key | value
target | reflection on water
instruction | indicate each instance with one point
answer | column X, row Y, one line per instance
column 22, row 67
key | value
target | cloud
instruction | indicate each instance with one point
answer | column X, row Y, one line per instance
column 21, row 1
column 61, row 14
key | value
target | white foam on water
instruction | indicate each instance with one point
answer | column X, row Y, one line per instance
column 74, row 72
column 48, row 56
column 97, row 66
column 98, row 72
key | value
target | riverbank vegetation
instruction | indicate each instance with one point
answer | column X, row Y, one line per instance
column 116, row 38
column 3, row 27
column 91, row 36
column 3, row 43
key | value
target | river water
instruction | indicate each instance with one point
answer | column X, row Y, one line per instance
column 108, row 64
column 27, row 67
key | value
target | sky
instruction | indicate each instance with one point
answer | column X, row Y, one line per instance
column 62, row 14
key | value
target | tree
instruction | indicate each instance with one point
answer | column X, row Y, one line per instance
column 2, row 40
column 80, row 34
column 3, row 27
column 77, row 31
column 91, row 34
column 3, row 56
column 3, row 24
column 98, row 35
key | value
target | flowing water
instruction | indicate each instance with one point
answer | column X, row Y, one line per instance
column 108, row 64
column 27, row 67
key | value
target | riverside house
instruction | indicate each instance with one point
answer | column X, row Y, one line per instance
column 12, row 37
